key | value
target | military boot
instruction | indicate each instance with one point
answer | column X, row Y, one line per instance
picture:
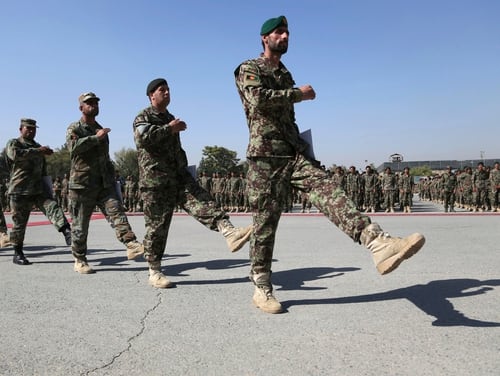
column 4, row 240
column 19, row 257
column 156, row 277
column 134, row 249
column 263, row 297
column 235, row 237
column 81, row 266
column 389, row 252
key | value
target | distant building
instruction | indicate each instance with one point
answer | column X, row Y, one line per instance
column 397, row 164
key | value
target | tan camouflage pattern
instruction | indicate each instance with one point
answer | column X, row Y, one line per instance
column 276, row 162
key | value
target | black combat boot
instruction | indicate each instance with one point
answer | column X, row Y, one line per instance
column 19, row 257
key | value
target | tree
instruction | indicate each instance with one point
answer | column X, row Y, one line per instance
column 59, row 163
column 219, row 159
column 421, row 171
column 126, row 162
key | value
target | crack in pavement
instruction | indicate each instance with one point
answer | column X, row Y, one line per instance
column 130, row 339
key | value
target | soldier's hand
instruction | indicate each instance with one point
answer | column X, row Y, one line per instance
column 177, row 126
column 45, row 150
column 308, row 92
column 101, row 133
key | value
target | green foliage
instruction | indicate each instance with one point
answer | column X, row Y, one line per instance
column 421, row 171
column 59, row 163
column 126, row 163
column 219, row 159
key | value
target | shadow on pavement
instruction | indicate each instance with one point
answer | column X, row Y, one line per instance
column 431, row 298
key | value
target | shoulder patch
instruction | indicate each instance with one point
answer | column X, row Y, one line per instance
column 251, row 79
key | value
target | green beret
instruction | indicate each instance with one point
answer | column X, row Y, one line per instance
column 155, row 84
column 272, row 24
column 28, row 123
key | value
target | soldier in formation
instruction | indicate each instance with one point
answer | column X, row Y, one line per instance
column 29, row 187
column 277, row 162
column 165, row 182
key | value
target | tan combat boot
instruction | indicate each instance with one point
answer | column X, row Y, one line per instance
column 263, row 297
column 156, row 277
column 82, row 267
column 134, row 249
column 389, row 252
column 4, row 240
column 235, row 237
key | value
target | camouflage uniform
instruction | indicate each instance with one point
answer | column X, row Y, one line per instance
column 165, row 182
column 234, row 191
column 479, row 179
column 353, row 186
column 389, row 186
column 495, row 186
column 406, row 190
column 27, row 189
column 64, row 192
column 277, row 163
column 449, row 185
column 371, row 187
column 92, row 183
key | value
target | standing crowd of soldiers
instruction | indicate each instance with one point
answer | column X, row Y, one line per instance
column 228, row 190
column 474, row 191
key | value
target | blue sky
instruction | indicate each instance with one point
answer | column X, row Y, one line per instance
column 419, row 78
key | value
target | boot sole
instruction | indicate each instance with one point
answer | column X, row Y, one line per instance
column 169, row 285
column 267, row 310
column 393, row 262
column 91, row 271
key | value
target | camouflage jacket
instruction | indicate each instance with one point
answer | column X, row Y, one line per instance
column 28, row 167
column 449, row 181
column 406, row 183
column 389, row 182
column 159, row 151
column 495, row 179
column 91, row 166
column 268, row 96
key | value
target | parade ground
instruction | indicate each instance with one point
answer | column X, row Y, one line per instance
column 437, row 314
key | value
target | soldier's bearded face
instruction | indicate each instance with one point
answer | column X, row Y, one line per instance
column 277, row 41
column 28, row 132
column 90, row 108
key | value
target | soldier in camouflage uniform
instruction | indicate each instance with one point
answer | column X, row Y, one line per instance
column 234, row 183
column 371, row 187
column 353, row 186
column 277, row 162
column 205, row 181
column 218, row 190
column 495, row 186
column 406, row 190
column 27, row 188
column 479, row 179
column 4, row 174
column 92, row 183
column 243, row 198
column 449, row 185
column 165, row 182
column 389, row 186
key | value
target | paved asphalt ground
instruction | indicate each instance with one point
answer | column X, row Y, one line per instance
column 437, row 314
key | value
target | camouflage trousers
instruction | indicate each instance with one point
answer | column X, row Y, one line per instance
column 81, row 206
column 269, row 181
column 21, row 206
column 448, row 198
column 3, row 223
column 159, row 205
